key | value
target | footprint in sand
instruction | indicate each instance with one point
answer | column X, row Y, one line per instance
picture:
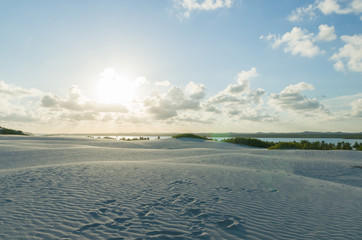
column 233, row 225
column 224, row 189
column 89, row 226
column 192, row 212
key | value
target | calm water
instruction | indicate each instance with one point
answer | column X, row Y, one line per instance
column 327, row 140
column 131, row 137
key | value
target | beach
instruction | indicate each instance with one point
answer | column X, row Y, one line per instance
column 82, row 188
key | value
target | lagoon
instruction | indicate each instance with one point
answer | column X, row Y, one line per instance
column 327, row 140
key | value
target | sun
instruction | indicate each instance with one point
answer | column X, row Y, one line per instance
column 113, row 88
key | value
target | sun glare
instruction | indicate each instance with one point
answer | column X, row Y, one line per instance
column 113, row 88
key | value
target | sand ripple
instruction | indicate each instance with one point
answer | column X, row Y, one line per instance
column 172, row 199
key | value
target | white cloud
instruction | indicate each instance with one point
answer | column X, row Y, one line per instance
column 357, row 108
column 326, row 33
column 330, row 6
column 12, row 91
column 297, row 42
column 245, row 76
column 177, row 108
column 187, row 6
column 345, row 107
column 339, row 66
column 16, row 103
column 291, row 99
column 298, row 14
column 209, row 107
column 239, row 92
column 166, row 106
column 341, row 102
column 350, row 54
column 77, row 101
column 239, row 101
column 195, row 91
column 327, row 7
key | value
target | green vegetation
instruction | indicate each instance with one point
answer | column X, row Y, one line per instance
column 304, row 144
column 134, row 139
column 253, row 142
column 312, row 145
column 9, row 131
column 343, row 135
column 122, row 139
column 190, row 135
column 357, row 146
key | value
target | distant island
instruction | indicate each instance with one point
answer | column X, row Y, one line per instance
column 8, row 131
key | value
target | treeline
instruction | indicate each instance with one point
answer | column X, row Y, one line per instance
column 304, row 144
column 253, row 142
column 190, row 135
column 342, row 135
column 9, row 131
column 122, row 139
column 312, row 145
column 134, row 139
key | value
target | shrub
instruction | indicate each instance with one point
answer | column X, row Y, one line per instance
column 190, row 135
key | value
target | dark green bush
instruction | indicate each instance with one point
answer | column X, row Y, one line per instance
column 190, row 135
column 253, row 142
column 304, row 144
column 11, row 131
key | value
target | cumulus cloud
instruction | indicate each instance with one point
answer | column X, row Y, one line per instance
column 13, row 91
column 77, row 101
column 242, row 85
column 188, row 6
column 16, row 103
column 291, row 98
column 326, row 7
column 165, row 106
column 340, row 7
column 298, row 14
column 357, row 108
column 350, row 54
column 239, row 100
column 239, row 92
column 245, row 76
column 326, row 33
column 209, row 107
column 298, row 42
column 195, row 91
column 19, row 112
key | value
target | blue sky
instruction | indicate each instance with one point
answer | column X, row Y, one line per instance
column 182, row 65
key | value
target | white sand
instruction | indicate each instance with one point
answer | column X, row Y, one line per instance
column 78, row 188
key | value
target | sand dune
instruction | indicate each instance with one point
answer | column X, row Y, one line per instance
column 79, row 188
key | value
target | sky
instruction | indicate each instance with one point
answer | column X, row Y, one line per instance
column 109, row 66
